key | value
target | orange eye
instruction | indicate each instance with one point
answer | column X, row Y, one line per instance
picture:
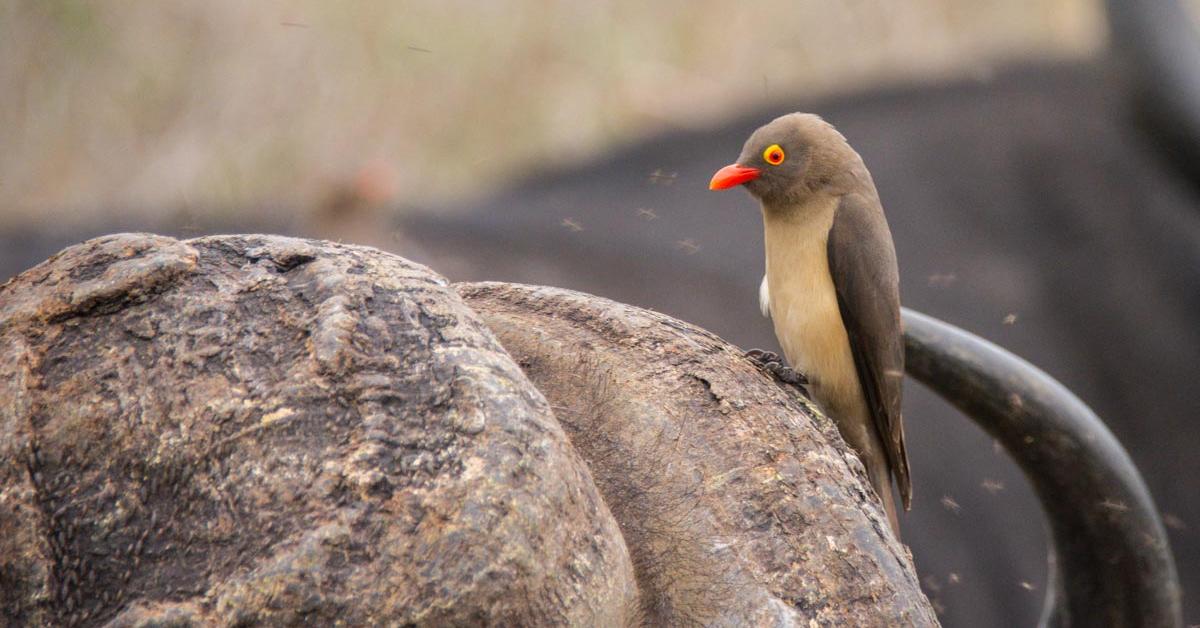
column 773, row 155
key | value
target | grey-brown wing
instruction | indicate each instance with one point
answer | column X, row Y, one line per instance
column 862, row 262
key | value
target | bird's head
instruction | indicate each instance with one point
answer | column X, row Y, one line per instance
column 791, row 158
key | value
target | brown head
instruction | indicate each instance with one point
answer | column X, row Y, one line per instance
column 792, row 158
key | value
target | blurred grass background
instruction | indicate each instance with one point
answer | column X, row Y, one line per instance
column 174, row 108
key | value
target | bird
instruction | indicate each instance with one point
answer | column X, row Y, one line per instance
column 831, row 287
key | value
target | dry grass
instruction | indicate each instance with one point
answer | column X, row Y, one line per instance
column 201, row 107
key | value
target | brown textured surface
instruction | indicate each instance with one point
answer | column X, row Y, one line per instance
column 739, row 503
column 250, row 429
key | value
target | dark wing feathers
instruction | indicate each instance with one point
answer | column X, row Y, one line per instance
column 862, row 262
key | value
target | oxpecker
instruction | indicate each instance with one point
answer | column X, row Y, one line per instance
column 831, row 286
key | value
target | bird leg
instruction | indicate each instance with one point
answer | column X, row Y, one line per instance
column 770, row 363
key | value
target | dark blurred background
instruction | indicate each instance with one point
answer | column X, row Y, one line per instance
column 1036, row 160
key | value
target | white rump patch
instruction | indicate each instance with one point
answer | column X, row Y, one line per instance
column 764, row 298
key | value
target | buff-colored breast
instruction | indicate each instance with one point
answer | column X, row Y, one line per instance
column 808, row 323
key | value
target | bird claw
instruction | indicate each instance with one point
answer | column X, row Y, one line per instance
column 772, row 364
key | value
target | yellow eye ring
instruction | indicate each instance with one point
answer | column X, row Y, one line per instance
column 773, row 155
